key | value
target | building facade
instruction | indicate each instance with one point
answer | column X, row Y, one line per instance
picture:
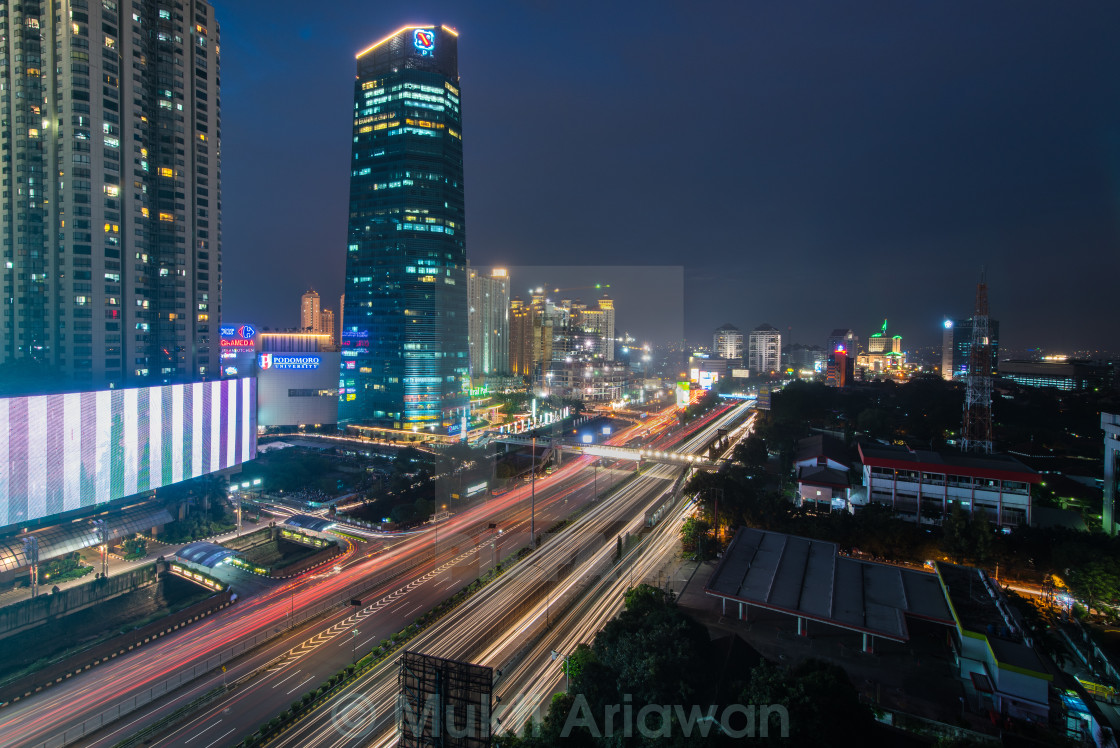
column 111, row 270
column 1059, row 372
column 405, row 357
column 959, row 334
column 764, row 354
column 488, row 321
column 296, row 379
column 727, row 342
column 309, row 311
column 922, row 484
column 1110, row 423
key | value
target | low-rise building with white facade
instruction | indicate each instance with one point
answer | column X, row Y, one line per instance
column 923, row 484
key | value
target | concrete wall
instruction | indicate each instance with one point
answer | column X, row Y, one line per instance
column 115, row 647
column 18, row 616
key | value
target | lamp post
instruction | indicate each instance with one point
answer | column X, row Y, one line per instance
column 533, row 497
column 354, row 638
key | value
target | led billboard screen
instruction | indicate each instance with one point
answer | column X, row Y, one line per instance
column 59, row 453
column 682, row 391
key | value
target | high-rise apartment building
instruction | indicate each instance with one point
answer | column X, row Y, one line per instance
column 488, row 321
column 405, row 359
column 111, row 210
column 309, row 312
column 727, row 342
column 326, row 323
column 764, row 350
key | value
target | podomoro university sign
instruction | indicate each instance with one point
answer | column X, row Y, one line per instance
column 283, row 361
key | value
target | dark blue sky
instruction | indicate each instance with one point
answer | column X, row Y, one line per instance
column 810, row 164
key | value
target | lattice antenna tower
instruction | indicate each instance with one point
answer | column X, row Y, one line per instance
column 976, row 430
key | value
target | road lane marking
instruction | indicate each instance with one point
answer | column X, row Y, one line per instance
column 279, row 682
column 301, row 685
column 215, row 724
column 228, row 733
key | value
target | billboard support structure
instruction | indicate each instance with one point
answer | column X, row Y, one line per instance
column 433, row 693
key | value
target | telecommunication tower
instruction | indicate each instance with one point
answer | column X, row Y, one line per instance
column 976, row 430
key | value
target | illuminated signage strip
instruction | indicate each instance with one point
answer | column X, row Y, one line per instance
column 59, row 453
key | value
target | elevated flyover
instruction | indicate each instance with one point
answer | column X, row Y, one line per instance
column 617, row 453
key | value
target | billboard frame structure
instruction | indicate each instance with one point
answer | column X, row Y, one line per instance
column 434, row 695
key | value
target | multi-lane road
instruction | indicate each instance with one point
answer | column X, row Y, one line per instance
column 426, row 568
column 507, row 625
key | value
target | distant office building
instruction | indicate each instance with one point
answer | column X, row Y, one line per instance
column 764, row 350
column 923, row 484
column 1110, row 422
column 404, row 325
column 958, row 333
column 488, row 321
column 706, row 370
column 111, row 214
column 727, row 342
column 596, row 328
column 309, row 312
column 1059, row 372
column 521, row 337
column 840, row 371
column 805, row 358
column 947, row 350
column 542, row 331
column 326, row 323
column 590, row 381
column 842, row 337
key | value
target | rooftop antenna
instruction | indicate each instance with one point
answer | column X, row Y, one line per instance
column 976, row 429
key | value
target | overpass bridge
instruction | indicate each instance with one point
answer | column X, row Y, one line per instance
column 617, row 453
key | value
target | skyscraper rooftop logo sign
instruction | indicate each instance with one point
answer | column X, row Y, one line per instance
column 424, row 40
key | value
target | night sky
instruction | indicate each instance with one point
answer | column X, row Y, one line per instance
column 809, row 164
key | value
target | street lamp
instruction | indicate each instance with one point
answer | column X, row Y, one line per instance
column 533, row 497
column 567, row 677
column 354, row 634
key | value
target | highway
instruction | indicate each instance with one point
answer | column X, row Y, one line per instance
column 59, row 715
column 49, row 714
column 497, row 625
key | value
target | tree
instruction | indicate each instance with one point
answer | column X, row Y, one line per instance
column 753, row 455
column 1096, row 582
column 823, row 705
column 955, row 533
column 696, row 539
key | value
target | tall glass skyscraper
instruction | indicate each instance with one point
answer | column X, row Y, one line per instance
column 405, row 360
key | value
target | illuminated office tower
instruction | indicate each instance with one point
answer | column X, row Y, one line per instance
column 488, row 321
column 111, row 209
column 405, row 360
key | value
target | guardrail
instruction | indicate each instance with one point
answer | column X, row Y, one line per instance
column 298, row 618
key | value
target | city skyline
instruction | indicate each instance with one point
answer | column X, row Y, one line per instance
column 876, row 158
